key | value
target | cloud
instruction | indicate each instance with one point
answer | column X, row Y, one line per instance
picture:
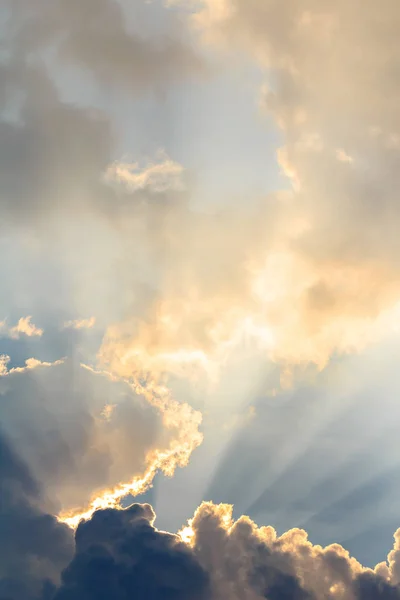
column 178, row 418
column 52, row 154
column 30, row 363
column 80, row 323
column 23, row 327
column 163, row 176
column 67, row 228
column 298, row 276
column 284, row 273
column 55, row 151
column 289, row 273
column 34, row 546
column 97, row 37
column 324, row 280
column 244, row 561
column 119, row 553
column 201, row 306
column 77, row 452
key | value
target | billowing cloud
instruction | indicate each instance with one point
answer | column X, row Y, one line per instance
column 245, row 561
column 287, row 272
column 312, row 272
column 120, row 553
column 290, row 272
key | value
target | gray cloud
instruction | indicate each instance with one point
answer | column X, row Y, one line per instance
column 54, row 154
column 119, row 553
column 79, row 432
column 96, row 35
column 34, row 547
column 52, row 157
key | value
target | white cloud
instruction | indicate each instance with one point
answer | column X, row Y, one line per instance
column 30, row 363
column 23, row 327
column 247, row 562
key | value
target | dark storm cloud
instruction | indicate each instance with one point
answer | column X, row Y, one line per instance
column 34, row 547
column 276, row 585
column 120, row 555
column 371, row 587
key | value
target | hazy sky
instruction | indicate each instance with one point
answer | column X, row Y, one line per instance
column 199, row 299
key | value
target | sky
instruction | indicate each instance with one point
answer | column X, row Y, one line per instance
column 199, row 300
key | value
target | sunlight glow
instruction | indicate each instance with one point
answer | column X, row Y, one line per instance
column 174, row 415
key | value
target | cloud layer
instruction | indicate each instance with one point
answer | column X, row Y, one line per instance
column 309, row 272
column 34, row 547
column 303, row 272
column 119, row 553
column 331, row 71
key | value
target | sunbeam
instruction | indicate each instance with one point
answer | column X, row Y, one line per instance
column 199, row 300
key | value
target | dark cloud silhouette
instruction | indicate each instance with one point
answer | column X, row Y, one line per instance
column 120, row 555
column 275, row 585
column 371, row 587
column 34, row 546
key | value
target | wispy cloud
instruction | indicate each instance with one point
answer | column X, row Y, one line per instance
column 30, row 363
column 24, row 327
column 80, row 323
column 155, row 177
